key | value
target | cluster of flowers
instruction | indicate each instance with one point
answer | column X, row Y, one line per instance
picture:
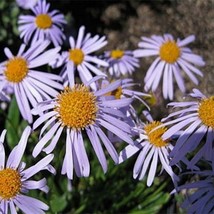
column 92, row 97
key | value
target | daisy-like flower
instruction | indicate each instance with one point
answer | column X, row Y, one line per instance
column 121, row 62
column 78, row 110
column 194, row 122
column 173, row 58
column 201, row 200
column 80, row 57
column 26, row 4
column 29, row 86
column 43, row 25
column 151, row 149
column 14, row 179
column 125, row 90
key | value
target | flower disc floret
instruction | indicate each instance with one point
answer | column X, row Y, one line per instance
column 117, row 54
column 117, row 93
column 155, row 136
column 10, row 183
column 205, row 111
column 16, row 69
column 77, row 107
column 43, row 21
column 76, row 55
column 169, row 52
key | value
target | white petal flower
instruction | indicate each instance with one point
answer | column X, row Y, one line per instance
column 29, row 85
column 43, row 25
column 173, row 58
column 14, row 179
column 82, row 112
column 193, row 122
column 81, row 57
column 152, row 149
column 121, row 62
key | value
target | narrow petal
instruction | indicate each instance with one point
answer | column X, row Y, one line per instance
column 37, row 167
column 15, row 158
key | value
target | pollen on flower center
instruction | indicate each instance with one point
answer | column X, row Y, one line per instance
column 16, row 69
column 117, row 54
column 43, row 21
column 76, row 55
column 205, row 111
column 116, row 93
column 77, row 107
column 169, row 52
column 10, row 183
column 155, row 136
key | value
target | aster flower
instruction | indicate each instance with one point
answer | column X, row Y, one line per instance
column 125, row 90
column 14, row 179
column 29, row 85
column 79, row 111
column 80, row 57
column 43, row 25
column 151, row 149
column 121, row 62
column 173, row 58
column 194, row 121
column 26, row 4
column 201, row 200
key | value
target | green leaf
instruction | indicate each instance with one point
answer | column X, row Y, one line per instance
column 12, row 123
column 58, row 203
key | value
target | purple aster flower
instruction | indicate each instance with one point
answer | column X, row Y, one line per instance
column 80, row 57
column 151, row 149
column 121, row 62
column 201, row 197
column 43, row 25
column 14, row 179
column 194, row 122
column 173, row 58
column 29, row 85
column 126, row 90
column 79, row 111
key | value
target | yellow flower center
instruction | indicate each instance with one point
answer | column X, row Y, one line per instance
column 169, row 52
column 117, row 93
column 77, row 107
column 76, row 55
column 117, row 54
column 10, row 183
column 206, row 111
column 16, row 69
column 155, row 136
column 43, row 21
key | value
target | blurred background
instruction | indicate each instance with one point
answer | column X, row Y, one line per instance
column 123, row 22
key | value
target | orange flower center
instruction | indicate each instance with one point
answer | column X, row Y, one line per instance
column 155, row 137
column 10, row 183
column 16, row 69
column 117, row 54
column 76, row 55
column 169, row 52
column 206, row 111
column 116, row 93
column 43, row 21
column 77, row 107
